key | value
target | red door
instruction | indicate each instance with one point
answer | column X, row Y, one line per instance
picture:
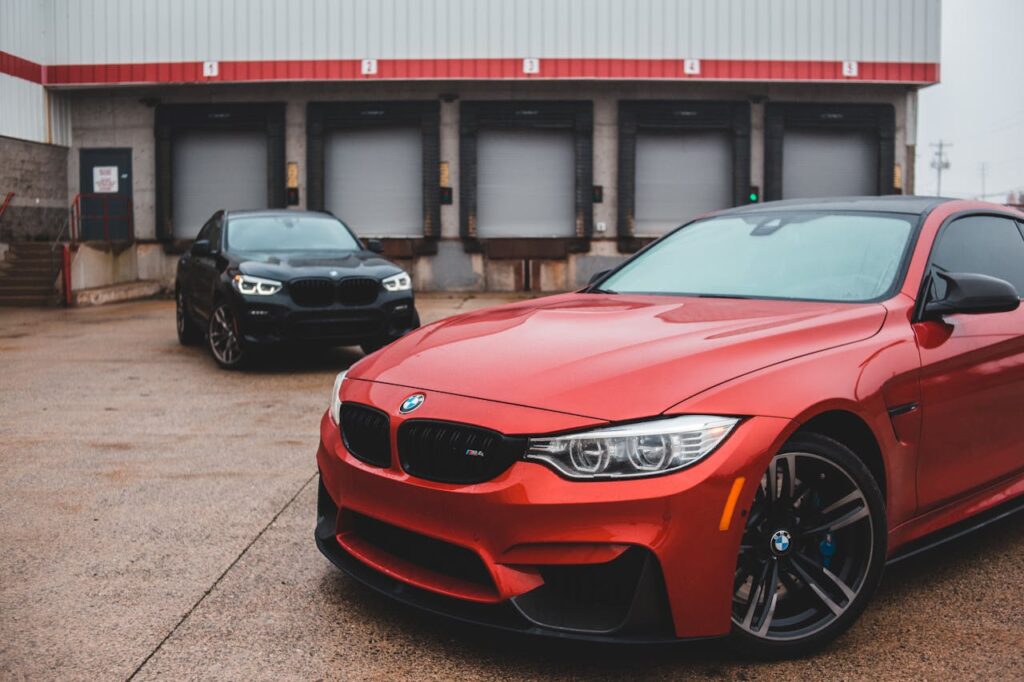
column 972, row 370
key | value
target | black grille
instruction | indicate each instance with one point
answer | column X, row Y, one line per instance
column 358, row 290
column 366, row 433
column 426, row 552
column 312, row 292
column 320, row 291
column 455, row 453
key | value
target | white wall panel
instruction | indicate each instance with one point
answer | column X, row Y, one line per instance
column 27, row 29
column 23, row 109
column 112, row 31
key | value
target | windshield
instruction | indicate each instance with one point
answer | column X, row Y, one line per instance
column 804, row 255
column 288, row 233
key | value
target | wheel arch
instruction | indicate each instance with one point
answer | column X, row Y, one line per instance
column 851, row 430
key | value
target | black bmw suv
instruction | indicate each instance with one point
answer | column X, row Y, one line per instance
column 254, row 279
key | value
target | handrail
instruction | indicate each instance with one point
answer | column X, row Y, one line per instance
column 7, row 202
column 64, row 269
column 106, row 216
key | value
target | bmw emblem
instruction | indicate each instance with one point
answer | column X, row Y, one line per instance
column 411, row 403
column 781, row 542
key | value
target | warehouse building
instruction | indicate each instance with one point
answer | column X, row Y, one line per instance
column 491, row 144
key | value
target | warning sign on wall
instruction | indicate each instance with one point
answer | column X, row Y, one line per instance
column 104, row 179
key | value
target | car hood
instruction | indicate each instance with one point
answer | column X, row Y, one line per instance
column 284, row 266
column 612, row 357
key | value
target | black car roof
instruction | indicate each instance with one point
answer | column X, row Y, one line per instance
column 887, row 204
column 287, row 212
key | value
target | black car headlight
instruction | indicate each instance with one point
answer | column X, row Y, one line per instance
column 255, row 286
column 647, row 448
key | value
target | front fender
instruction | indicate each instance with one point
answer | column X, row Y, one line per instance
column 866, row 379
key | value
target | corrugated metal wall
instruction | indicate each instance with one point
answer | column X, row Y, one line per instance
column 54, row 43
column 27, row 111
column 26, row 29
column 124, row 31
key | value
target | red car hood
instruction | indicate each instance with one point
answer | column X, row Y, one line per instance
column 612, row 357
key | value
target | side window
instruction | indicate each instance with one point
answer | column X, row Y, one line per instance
column 985, row 245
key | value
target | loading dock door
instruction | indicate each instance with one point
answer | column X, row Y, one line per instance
column 681, row 175
column 526, row 183
column 824, row 163
column 216, row 170
column 373, row 180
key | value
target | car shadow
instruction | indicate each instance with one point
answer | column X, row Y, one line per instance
column 298, row 359
column 527, row 655
column 951, row 559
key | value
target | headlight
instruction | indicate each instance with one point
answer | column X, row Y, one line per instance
column 255, row 286
column 400, row 282
column 335, row 399
column 633, row 450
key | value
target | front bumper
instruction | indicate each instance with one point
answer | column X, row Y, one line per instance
column 639, row 560
column 277, row 319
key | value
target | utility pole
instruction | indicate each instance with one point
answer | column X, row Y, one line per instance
column 940, row 163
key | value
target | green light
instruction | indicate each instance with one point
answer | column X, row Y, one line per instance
column 753, row 197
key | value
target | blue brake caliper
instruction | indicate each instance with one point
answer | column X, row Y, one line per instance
column 827, row 549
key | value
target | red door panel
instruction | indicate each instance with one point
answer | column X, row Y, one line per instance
column 972, row 393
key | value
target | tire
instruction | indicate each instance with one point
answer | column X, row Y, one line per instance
column 189, row 333
column 224, row 341
column 812, row 553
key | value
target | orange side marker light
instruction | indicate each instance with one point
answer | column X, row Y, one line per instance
column 730, row 503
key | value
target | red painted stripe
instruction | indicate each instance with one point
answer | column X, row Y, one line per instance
column 468, row 69
column 20, row 68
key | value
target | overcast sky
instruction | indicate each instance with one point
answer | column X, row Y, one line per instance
column 979, row 105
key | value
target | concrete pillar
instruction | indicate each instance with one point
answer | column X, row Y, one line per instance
column 450, row 155
column 757, row 145
column 295, row 143
column 606, row 164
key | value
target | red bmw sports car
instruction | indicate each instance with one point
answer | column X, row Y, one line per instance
column 732, row 432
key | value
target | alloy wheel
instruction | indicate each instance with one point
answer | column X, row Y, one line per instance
column 806, row 552
column 225, row 343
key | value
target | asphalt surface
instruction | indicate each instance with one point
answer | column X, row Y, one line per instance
column 156, row 521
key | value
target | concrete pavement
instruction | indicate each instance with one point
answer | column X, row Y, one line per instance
column 156, row 520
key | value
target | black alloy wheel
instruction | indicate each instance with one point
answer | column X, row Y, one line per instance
column 812, row 552
column 225, row 341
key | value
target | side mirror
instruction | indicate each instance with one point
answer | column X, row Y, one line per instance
column 597, row 276
column 972, row 294
column 375, row 245
column 201, row 247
